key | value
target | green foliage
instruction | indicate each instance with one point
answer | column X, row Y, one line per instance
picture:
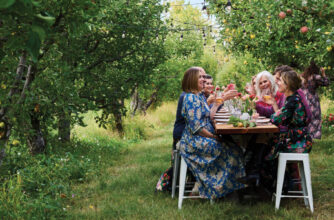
column 87, row 55
column 42, row 186
column 255, row 27
column 239, row 70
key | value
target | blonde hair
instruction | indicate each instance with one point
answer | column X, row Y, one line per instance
column 270, row 77
column 190, row 80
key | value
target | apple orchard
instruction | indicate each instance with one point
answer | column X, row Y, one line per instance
column 291, row 32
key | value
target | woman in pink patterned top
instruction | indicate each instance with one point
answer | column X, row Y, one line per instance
column 313, row 79
column 266, row 86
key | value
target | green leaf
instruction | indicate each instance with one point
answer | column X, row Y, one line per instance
column 48, row 19
column 6, row 3
column 39, row 30
column 36, row 4
column 33, row 45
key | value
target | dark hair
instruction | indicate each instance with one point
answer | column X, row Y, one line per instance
column 282, row 68
column 312, row 69
column 208, row 76
column 291, row 80
column 190, row 80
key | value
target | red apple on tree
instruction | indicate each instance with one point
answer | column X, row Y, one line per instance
column 282, row 15
column 304, row 29
column 289, row 11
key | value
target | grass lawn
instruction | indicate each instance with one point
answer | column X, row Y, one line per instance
column 124, row 187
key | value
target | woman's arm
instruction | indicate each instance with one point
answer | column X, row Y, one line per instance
column 284, row 116
column 263, row 110
column 205, row 133
column 321, row 80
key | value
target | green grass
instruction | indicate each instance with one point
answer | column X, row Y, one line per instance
column 102, row 176
column 126, row 189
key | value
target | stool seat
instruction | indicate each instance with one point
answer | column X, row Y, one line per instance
column 305, row 172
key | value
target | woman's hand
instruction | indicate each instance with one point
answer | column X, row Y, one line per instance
column 205, row 133
column 230, row 94
column 271, row 101
column 211, row 99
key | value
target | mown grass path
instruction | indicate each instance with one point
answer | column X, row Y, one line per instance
column 125, row 188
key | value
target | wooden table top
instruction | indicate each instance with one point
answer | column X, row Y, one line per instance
column 259, row 129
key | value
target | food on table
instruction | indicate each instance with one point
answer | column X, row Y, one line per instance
column 237, row 122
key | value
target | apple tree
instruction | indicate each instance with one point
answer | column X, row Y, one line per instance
column 279, row 32
column 71, row 57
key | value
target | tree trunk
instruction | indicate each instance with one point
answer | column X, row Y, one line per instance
column 117, row 113
column 64, row 127
column 36, row 141
column 152, row 99
column 5, row 130
column 119, row 123
column 134, row 102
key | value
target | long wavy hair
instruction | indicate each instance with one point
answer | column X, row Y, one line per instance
column 312, row 69
column 271, row 78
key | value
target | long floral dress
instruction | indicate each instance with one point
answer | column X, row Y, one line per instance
column 310, row 90
column 215, row 166
column 297, row 139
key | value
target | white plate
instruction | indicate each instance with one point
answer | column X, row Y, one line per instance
column 222, row 119
column 261, row 117
column 222, row 116
column 265, row 120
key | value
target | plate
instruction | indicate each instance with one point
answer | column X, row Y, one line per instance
column 220, row 111
column 222, row 116
column 265, row 120
column 222, row 120
column 261, row 117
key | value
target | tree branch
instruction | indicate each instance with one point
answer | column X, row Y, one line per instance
column 26, row 86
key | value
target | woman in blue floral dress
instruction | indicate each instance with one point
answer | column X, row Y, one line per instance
column 215, row 165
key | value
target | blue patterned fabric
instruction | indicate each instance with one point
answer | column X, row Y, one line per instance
column 215, row 165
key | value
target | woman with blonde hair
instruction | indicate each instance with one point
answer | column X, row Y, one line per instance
column 215, row 165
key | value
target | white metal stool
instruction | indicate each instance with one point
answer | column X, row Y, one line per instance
column 176, row 172
column 176, row 169
column 305, row 173
column 183, row 176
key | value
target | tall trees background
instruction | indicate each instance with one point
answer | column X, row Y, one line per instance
column 62, row 58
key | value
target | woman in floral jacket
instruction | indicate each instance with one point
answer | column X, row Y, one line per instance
column 293, row 115
column 312, row 81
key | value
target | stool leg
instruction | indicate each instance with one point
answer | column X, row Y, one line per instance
column 280, row 180
column 183, row 175
column 303, row 182
column 175, row 171
column 308, row 182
